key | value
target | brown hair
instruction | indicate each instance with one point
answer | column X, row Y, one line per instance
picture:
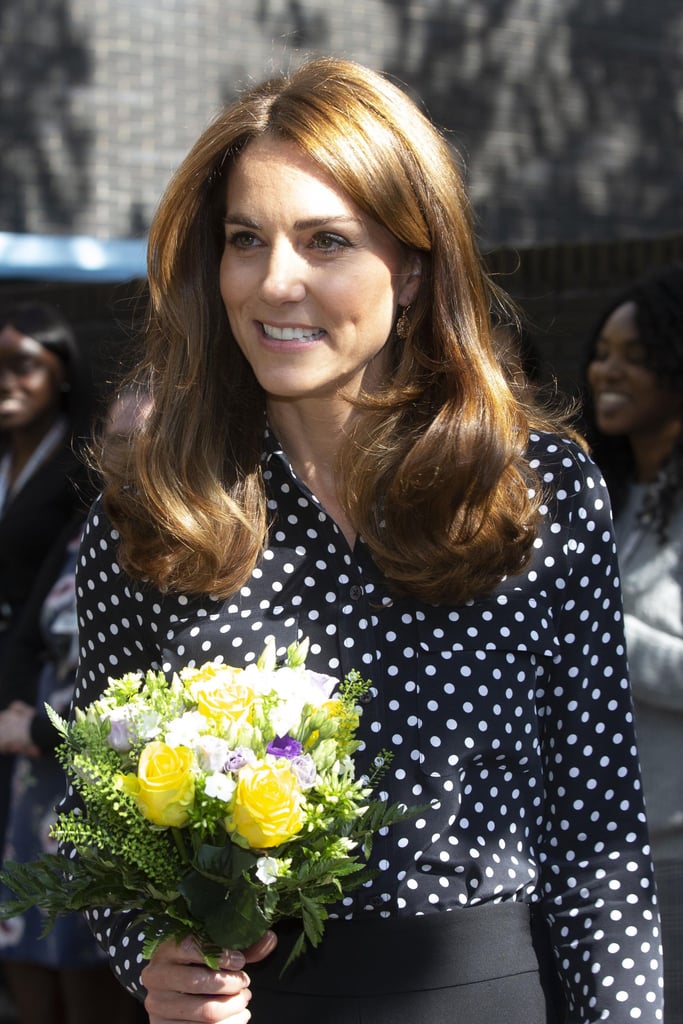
column 434, row 474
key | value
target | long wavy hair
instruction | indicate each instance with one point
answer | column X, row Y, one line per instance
column 433, row 474
column 658, row 298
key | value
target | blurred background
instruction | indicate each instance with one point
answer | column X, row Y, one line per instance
column 566, row 115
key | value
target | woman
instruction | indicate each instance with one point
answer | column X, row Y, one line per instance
column 62, row 977
column 635, row 376
column 43, row 413
column 333, row 452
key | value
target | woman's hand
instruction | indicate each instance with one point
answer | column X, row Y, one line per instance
column 15, row 730
column 180, row 987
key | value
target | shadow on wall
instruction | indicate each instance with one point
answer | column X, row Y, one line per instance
column 562, row 142
column 44, row 156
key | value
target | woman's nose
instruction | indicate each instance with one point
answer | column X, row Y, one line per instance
column 284, row 276
column 611, row 365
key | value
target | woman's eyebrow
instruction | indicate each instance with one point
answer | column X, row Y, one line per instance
column 306, row 224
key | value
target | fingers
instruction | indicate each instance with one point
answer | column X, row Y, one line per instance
column 180, row 987
column 265, row 945
column 174, row 1009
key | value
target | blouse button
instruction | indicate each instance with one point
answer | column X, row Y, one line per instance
column 365, row 698
column 356, row 592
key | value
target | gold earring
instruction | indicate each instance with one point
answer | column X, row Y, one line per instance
column 403, row 324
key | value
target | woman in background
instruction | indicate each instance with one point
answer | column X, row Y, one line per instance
column 62, row 977
column 44, row 416
column 635, row 417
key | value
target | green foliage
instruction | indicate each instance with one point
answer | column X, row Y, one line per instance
column 203, row 877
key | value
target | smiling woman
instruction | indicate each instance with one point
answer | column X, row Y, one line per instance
column 42, row 413
column 311, row 292
column 333, row 452
column 635, row 405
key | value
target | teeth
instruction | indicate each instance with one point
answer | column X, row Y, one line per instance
column 607, row 399
column 291, row 333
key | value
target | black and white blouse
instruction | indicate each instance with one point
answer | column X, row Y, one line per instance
column 513, row 711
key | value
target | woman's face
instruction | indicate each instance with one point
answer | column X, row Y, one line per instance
column 628, row 398
column 310, row 284
column 30, row 381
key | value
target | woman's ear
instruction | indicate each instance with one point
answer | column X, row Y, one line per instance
column 412, row 276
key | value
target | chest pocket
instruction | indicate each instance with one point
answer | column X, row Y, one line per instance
column 479, row 668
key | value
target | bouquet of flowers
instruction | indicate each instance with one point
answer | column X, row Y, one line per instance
column 216, row 803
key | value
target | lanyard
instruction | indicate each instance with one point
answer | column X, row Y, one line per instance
column 38, row 456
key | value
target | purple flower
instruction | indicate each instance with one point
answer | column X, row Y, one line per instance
column 237, row 759
column 284, row 746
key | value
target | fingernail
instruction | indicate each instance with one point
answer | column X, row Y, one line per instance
column 236, row 960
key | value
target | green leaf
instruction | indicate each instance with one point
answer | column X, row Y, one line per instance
column 297, row 949
column 60, row 724
column 314, row 917
column 226, row 862
column 231, row 917
column 215, row 861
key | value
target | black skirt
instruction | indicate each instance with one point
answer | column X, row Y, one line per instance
column 470, row 966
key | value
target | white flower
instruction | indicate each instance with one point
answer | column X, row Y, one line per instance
column 267, row 870
column 294, row 687
column 130, row 724
column 305, row 770
column 186, row 730
column 220, row 786
column 212, row 753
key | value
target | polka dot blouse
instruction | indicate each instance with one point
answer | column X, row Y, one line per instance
column 512, row 712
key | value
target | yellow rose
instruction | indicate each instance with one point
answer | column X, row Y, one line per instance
column 210, row 672
column 223, row 703
column 163, row 788
column 268, row 806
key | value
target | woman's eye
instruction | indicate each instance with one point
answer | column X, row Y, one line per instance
column 241, row 239
column 327, row 241
column 25, row 367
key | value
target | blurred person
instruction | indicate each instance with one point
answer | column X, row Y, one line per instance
column 635, row 423
column 333, row 451
column 63, row 977
column 44, row 417
column 44, row 413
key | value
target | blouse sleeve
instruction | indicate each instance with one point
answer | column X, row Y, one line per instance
column 598, row 889
column 114, row 639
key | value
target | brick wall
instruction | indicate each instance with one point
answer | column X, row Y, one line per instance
column 567, row 112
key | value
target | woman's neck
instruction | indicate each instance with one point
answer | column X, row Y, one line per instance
column 312, row 436
column 650, row 451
